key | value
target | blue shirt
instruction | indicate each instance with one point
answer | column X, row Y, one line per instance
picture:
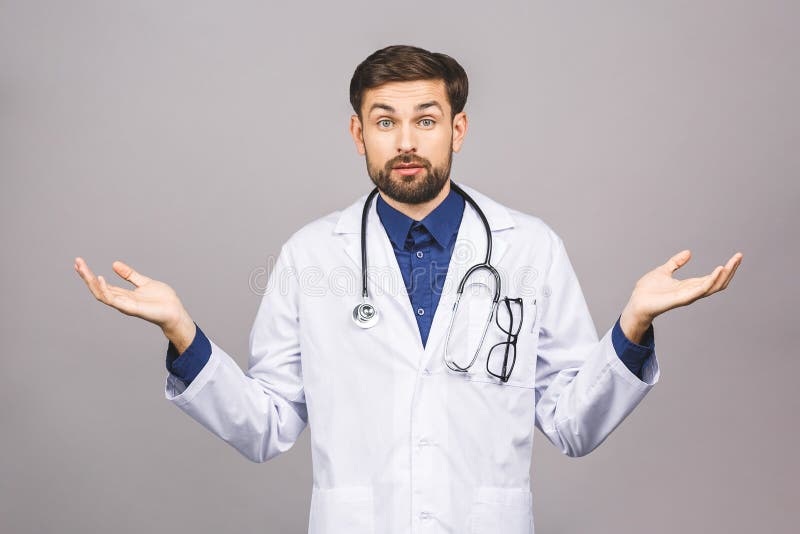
column 423, row 250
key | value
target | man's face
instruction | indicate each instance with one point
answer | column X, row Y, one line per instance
column 408, row 138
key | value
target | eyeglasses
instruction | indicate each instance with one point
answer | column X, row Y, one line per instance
column 505, row 352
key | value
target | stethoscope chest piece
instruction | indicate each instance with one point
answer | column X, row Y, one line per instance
column 365, row 315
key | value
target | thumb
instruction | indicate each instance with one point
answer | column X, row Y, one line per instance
column 127, row 272
column 677, row 261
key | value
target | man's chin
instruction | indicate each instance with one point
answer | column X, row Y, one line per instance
column 412, row 189
column 408, row 179
column 408, row 184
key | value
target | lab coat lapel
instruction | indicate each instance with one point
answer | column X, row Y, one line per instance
column 385, row 283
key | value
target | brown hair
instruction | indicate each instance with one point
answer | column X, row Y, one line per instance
column 403, row 63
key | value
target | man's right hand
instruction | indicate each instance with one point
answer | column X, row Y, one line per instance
column 152, row 301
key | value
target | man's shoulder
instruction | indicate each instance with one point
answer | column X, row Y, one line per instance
column 523, row 224
column 529, row 222
column 323, row 229
column 316, row 230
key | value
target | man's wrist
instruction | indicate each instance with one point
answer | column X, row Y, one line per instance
column 634, row 325
column 181, row 333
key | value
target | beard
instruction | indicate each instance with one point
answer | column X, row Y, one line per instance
column 414, row 189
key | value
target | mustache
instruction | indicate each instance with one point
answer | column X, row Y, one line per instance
column 408, row 160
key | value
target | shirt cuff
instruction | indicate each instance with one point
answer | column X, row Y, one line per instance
column 188, row 365
column 633, row 355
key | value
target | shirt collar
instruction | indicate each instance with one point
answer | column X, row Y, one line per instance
column 443, row 222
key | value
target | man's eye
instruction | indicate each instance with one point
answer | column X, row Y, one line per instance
column 427, row 122
column 384, row 123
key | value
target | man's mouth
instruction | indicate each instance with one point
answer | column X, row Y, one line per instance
column 409, row 169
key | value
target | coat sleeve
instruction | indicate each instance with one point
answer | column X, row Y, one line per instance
column 260, row 412
column 583, row 390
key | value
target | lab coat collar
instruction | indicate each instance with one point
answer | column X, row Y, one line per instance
column 498, row 216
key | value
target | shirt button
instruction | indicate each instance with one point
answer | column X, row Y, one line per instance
column 420, row 253
column 420, row 311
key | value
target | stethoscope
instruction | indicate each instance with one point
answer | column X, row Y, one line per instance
column 365, row 314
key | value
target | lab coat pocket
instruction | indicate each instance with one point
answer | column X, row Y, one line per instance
column 523, row 357
column 343, row 509
column 496, row 509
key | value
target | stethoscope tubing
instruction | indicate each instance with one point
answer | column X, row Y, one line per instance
column 486, row 262
column 364, row 216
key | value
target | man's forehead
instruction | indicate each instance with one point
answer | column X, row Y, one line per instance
column 401, row 96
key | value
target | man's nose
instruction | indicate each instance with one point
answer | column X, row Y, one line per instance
column 408, row 141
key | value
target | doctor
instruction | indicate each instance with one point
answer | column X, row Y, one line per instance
column 404, row 437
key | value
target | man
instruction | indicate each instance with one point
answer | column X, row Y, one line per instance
column 414, row 429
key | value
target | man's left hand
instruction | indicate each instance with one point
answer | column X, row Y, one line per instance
column 657, row 292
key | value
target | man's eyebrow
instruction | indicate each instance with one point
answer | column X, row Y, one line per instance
column 378, row 105
column 426, row 105
column 420, row 107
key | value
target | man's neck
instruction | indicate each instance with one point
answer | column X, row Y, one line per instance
column 418, row 211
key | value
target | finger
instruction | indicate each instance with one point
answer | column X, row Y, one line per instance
column 677, row 261
column 692, row 289
column 724, row 276
column 89, row 278
column 117, row 297
column 104, row 290
column 727, row 271
column 711, row 280
column 736, row 264
column 112, row 290
column 128, row 273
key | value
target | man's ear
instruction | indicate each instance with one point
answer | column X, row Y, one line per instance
column 358, row 133
column 460, row 125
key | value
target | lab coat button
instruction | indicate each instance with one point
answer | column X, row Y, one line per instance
column 425, row 515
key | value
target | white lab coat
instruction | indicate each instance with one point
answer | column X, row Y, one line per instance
column 399, row 442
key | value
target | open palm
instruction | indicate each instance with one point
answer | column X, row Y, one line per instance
column 657, row 291
column 151, row 300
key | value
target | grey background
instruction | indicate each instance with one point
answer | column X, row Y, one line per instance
column 190, row 139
